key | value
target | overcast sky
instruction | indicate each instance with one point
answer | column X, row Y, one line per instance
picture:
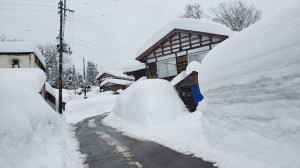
column 108, row 32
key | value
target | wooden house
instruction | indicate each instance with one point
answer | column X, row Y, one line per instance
column 134, row 68
column 168, row 52
column 108, row 74
column 115, row 85
column 21, row 55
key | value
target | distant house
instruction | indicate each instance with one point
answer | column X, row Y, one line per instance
column 31, row 78
column 134, row 68
column 108, row 74
column 171, row 49
column 21, row 55
column 115, row 85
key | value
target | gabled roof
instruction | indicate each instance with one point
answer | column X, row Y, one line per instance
column 33, row 78
column 116, row 81
column 184, row 25
column 133, row 65
column 115, row 74
column 22, row 47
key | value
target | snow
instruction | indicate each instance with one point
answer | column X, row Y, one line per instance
column 250, row 113
column 133, row 65
column 22, row 47
column 185, row 24
column 32, row 134
column 251, row 86
column 192, row 67
column 146, row 103
column 49, row 89
column 77, row 110
column 33, row 78
column 114, row 73
column 116, row 81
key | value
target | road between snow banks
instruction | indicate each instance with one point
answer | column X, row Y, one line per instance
column 107, row 148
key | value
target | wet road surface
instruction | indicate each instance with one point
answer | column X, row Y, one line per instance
column 107, row 148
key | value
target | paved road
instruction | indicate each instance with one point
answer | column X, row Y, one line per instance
column 107, row 148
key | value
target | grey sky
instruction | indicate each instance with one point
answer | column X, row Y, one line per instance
column 106, row 31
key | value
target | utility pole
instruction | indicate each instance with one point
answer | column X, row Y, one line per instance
column 84, row 78
column 60, row 57
column 62, row 11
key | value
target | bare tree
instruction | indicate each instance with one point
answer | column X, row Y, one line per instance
column 4, row 38
column 193, row 11
column 236, row 15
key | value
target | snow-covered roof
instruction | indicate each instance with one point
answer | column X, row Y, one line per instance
column 50, row 89
column 116, row 81
column 21, row 47
column 114, row 73
column 33, row 78
column 133, row 65
column 185, row 24
column 192, row 67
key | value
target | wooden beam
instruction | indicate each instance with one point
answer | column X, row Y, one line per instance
column 180, row 41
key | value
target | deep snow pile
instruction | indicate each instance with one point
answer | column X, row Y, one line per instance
column 146, row 103
column 251, row 85
column 96, row 104
column 32, row 134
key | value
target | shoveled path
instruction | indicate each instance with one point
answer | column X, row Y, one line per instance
column 107, row 148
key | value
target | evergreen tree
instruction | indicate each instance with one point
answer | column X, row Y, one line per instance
column 91, row 74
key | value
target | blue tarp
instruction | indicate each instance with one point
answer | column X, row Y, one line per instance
column 197, row 96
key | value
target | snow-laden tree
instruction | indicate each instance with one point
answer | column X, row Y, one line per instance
column 50, row 53
column 4, row 38
column 70, row 78
column 91, row 73
column 236, row 15
column 193, row 11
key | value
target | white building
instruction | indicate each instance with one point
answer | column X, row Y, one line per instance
column 21, row 55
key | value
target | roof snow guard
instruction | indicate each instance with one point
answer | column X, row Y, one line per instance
column 182, row 25
column 22, row 47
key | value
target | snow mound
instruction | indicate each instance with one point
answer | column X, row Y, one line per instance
column 29, row 130
column 251, row 85
column 147, row 102
column 33, row 78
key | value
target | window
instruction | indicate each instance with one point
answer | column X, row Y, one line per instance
column 197, row 56
column 166, row 68
column 15, row 63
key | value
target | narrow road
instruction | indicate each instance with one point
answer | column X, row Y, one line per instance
column 107, row 148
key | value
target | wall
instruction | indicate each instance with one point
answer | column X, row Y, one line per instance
column 26, row 60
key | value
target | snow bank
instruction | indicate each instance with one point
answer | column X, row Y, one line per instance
column 116, row 81
column 147, row 102
column 251, row 85
column 49, row 89
column 185, row 24
column 33, row 78
column 32, row 134
column 22, row 47
column 133, row 65
column 78, row 110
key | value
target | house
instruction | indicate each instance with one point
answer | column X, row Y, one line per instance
column 134, row 68
column 21, row 55
column 31, row 78
column 50, row 95
column 115, row 85
column 168, row 52
column 109, row 74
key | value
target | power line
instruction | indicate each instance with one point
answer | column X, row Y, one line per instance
column 8, row 3
column 133, row 10
column 28, row 30
column 33, row 10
